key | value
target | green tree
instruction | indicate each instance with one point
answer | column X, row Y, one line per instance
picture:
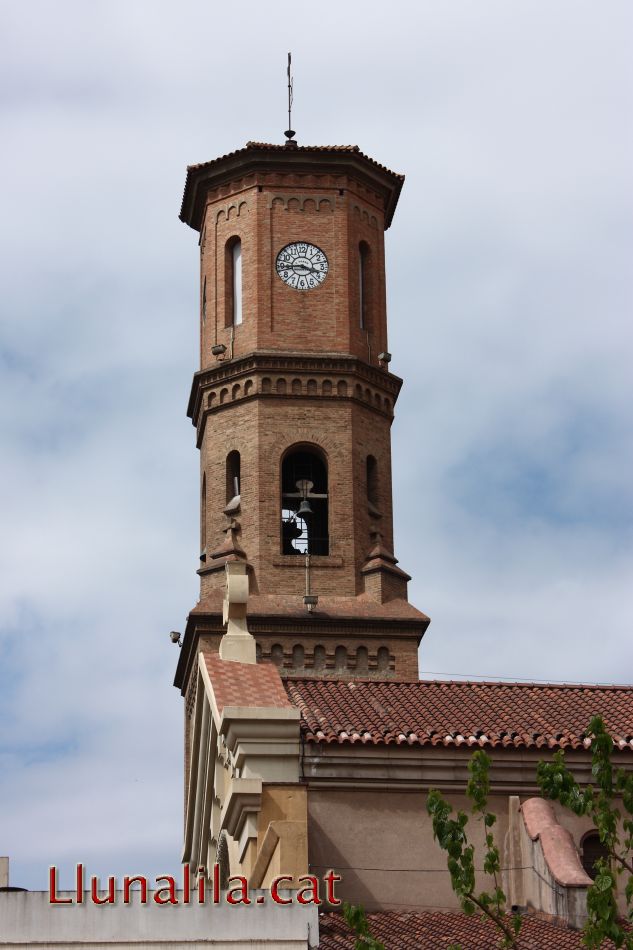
column 451, row 835
column 357, row 920
column 616, row 832
column 600, row 803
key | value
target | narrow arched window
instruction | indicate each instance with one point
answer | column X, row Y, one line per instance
column 203, row 519
column 319, row 658
column 362, row 660
column 593, row 850
column 304, row 503
column 233, row 282
column 383, row 659
column 204, row 301
column 363, row 285
column 233, row 476
column 372, row 481
column 298, row 657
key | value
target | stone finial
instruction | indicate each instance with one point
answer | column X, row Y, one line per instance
column 237, row 643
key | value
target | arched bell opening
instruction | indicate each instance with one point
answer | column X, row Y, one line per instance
column 304, row 502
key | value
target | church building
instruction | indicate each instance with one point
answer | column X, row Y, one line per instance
column 310, row 743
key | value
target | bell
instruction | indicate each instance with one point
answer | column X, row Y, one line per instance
column 304, row 509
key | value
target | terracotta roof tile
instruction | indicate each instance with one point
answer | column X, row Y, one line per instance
column 434, row 712
column 275, row 147
column 437, row 931
column 245, row 684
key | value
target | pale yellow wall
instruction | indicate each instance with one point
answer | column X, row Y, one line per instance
column 281, row 803
column 282, row 835
column 356, row 832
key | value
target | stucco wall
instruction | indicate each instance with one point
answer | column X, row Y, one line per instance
column 28, row 918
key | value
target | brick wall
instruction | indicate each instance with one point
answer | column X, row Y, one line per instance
column 267, row 212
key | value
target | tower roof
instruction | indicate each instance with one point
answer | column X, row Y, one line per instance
column 287, row 158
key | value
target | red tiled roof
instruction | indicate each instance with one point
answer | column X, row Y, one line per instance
column 437, row 931
column 520, row 715
column 275, row 147
column 245, row 684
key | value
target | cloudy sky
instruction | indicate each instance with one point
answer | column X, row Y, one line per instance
column 509, row 290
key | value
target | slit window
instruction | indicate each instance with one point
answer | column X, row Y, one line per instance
column 233, row 476
column 233, row 283
column 203, row 519
column 363, row 285
column 372, row 481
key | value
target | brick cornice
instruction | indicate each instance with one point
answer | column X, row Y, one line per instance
column 313, row 626
column 304, row 160
column 298, row 364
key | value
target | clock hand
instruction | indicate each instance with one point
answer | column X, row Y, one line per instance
column 313, row 270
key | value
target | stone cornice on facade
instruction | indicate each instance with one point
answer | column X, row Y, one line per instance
column 288, row 160
column 255, row 366
column 415, row 768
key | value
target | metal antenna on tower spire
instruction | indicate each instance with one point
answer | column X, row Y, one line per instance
column 289, row 133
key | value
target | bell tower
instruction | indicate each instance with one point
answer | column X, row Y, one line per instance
column 293, row 405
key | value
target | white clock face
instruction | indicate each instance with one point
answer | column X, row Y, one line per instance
column 302, row 266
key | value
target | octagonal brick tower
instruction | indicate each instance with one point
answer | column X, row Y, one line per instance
column 293, row 405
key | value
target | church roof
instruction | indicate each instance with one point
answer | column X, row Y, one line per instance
column 519, row 715
column 437, row 931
